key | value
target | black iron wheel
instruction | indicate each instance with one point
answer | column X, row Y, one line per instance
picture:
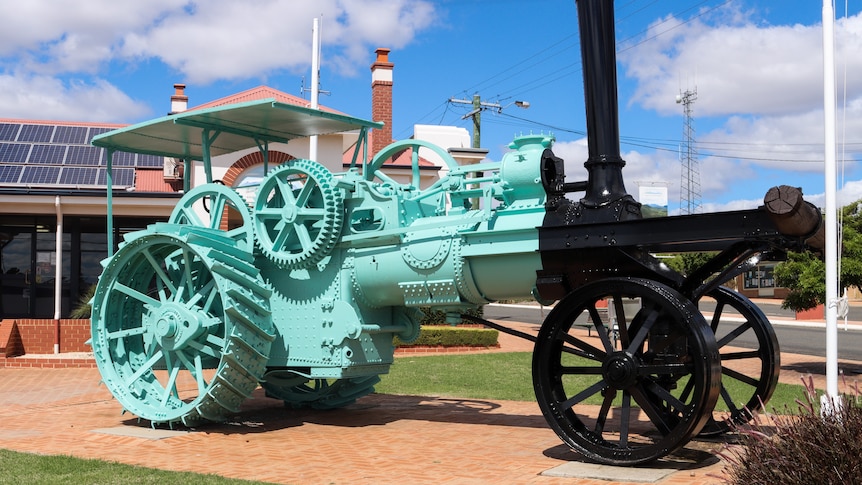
column 749, row 375
column 634, row 400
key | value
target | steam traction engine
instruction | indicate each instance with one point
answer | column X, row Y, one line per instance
column 301, row 286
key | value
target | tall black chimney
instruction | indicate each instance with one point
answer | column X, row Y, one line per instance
column 604, row 189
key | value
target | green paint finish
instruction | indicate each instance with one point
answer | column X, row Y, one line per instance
column 302, row 289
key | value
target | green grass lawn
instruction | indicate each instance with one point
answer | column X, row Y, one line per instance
column 25, row 468
column 507, row 375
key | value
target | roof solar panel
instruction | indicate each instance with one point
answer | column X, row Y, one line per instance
column 14, row 152
column 9, row 174
column 96, row 131
column 150, row 161
column 122, row 159
column 40, row 175
column 74, row 135
column 36, row 133
column 124, row 177
column 84, row 155
column 51, row 154
column 78, row 176
column 8, row 131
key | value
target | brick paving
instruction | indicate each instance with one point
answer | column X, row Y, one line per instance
column 381, row 439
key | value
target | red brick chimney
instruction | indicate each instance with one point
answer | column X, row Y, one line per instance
column 179, row 100
column 381, row 99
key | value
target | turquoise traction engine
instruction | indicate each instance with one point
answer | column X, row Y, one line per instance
column 300, row 283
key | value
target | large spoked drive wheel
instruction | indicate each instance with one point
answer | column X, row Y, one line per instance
column 298, row 214
column 749, row 375
column 216, row 207
column 300, row 392
column 397, row 150
column 181, row 327
column 639, row 398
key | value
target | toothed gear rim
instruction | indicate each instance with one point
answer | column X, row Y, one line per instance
column 298, row 214
column 181, row 326
column 299, row 392
column 217, row 200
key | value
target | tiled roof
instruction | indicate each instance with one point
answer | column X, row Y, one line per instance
column 258, row 93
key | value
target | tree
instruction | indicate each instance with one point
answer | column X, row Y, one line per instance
column 804, row 274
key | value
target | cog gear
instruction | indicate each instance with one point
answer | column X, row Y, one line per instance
column 297, row 214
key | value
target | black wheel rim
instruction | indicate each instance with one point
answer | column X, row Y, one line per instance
column 633, row 399
column 749, row 375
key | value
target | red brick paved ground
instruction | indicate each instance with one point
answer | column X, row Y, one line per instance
column 380, row 440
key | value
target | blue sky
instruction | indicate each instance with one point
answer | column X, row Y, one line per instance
column 756, row 65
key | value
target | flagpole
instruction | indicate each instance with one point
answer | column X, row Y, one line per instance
column 831, row 250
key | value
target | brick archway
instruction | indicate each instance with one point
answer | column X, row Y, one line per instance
column 250, row 160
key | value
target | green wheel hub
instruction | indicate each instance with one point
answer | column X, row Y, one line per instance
column 181, row 327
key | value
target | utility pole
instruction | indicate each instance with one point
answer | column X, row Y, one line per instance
column 689, row 194
column 476, row 113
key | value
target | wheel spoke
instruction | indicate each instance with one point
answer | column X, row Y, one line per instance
column 577, row 398
column 654, row 415
column 305, row 192
column 637, row 342
column 730, row 337
column 625, row 419
column 664, row 395
column 170, row 386
column 217, row 211
column 622, row 320
column 580, row 370
column 751, row 381
column 137, row 295
column 602, row 418
column 750, row 354
column 157, row 267
column 600, row 328
column 144, row 368
column 716, row 315
column 285, row 190
column 583, row 349
column 126, row 333
column 284, row 232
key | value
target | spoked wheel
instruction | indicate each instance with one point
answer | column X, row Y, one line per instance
column 298, row 214
column 216, row 207
column 749, row 376
column 300, row 392
column 181, row 326
column 635, row 401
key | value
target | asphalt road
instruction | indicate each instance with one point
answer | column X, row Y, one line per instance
column 793, row 337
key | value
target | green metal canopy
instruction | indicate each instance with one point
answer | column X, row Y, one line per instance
column 228, row 128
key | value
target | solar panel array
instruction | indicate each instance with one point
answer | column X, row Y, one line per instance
column 61, row 155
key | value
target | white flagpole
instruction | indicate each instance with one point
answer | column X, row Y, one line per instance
column 831, row 250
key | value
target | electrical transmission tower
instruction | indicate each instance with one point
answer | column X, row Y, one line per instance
column 689, row 194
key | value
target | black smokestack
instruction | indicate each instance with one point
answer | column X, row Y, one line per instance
column 598, row 55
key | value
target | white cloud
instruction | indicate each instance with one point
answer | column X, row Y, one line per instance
column 740, row 68
column 44, row 43
column 225, row 39
column 45, row 97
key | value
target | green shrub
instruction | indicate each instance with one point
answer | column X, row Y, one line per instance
column 806, row 448
column 448, row 336
column 437, row 317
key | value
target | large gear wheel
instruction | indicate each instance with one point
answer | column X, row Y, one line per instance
column 298, row 214
column 181, row 325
